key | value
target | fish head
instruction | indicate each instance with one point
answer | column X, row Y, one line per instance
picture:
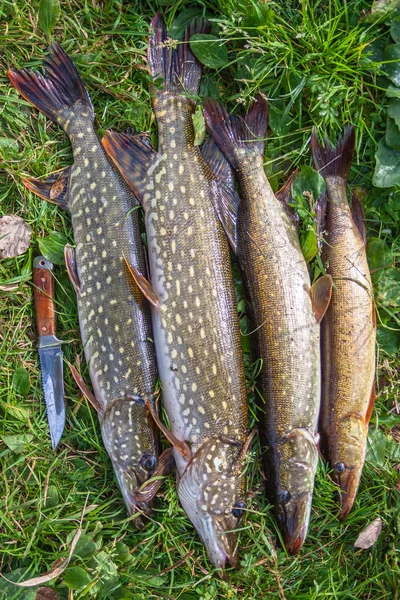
column 347, row 458
column 298, row 458
column 131, row 442
column 211, row 491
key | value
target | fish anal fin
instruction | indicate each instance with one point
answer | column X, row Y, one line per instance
column 357, row 213
column 143, row 284
column 133, row 156
column 70, row 262
column 181, row 446
column 321, row 292
column 226, row 203
column 370, row 405
column 166, row 465
column 53, row 189
column 99, row 408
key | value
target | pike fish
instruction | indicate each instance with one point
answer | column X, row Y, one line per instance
column 349, row 327
column 114, row 316
column 196, row 329
column 285, row 309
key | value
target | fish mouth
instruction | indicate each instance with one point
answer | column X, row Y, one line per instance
column 221, row 545
column 293, row 519
column 348, row 482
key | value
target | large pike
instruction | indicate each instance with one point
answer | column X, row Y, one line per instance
column 196, row 329
column 114, row 316
column 348, row 328
column 285, row 310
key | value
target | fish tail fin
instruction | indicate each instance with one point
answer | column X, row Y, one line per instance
column 231, row 132
column 334, row 161
column 55, row 91
column 174, row 61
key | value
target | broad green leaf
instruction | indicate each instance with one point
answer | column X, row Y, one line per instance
column 388, row 288
column 388, row 340
column 394, row 110
column 8, row 591
column 308, row 185
column 81, row 471
column 52, row 247
column 76, row 578
column 379, row 257
column 387, row 168
column 21, row 382
column 395, row 29
column 199, row 126
column 8, row 148
column 85, row 547
column 392, row 66
column 17, row 442
column 210, row 85
column 381, row 9
column 376, row 446
column 52, row 498
column 278, row 119
column 209, row 50
column 49, row 13
column 123, row 554
column 309, row 245
column 392, row 135
column 179, row 24
column 18, row 412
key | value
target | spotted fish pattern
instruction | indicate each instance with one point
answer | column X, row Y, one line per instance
column 349, row 327
column 114, row 316
column 196, row 330
column 283, row 307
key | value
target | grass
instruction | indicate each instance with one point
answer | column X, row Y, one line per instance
column 314, row 61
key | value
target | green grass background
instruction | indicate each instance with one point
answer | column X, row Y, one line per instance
column 320, row 63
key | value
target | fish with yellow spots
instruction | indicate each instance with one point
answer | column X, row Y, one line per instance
column 286, row 311
column 196, row 329
column 114, row 315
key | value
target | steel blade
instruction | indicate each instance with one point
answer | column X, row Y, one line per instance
column 51, row 364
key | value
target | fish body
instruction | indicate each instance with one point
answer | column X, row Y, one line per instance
column 286, row 331
column 114, row 316
column 348, row 328
column 196, row 330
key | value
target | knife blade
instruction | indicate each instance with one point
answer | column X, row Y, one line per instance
column 50, row 352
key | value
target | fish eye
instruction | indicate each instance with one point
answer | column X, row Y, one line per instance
column 339, row 467
column 283, row 496
column 238, row 509
column 148, row 462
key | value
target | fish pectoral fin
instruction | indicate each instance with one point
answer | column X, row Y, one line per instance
column 143, row 284
column 54, row 188
column 99, row 408
column 133, row 156
column 70, row 262
column 321, row 292
column 370, row 404
column 180, row 445
column 166, row 465
column 226, row 203
column 357, row 213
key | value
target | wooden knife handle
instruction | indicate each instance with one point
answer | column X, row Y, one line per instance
column 43, row 296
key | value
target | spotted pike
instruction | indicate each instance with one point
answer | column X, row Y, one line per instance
column 285, row 310
column 196, row 328
column 349, row 328
column 113, row 314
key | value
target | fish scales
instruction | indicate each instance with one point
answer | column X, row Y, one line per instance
column 286, row 332
column 348, row 329
column 196, row 330
column 114, row 316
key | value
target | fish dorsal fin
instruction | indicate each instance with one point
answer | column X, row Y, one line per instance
column 334, row 161
column 231, row 132
column 321, row 292
column 226, row 203
column 54, row 188
column 165, row 466
column 70, row 262
column 218, row 164
column 357, row 212
column 180, row 445
column 99, row 408
column 133, row 156
column 143, row 284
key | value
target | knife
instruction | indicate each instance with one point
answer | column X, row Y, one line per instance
column 50, row 352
